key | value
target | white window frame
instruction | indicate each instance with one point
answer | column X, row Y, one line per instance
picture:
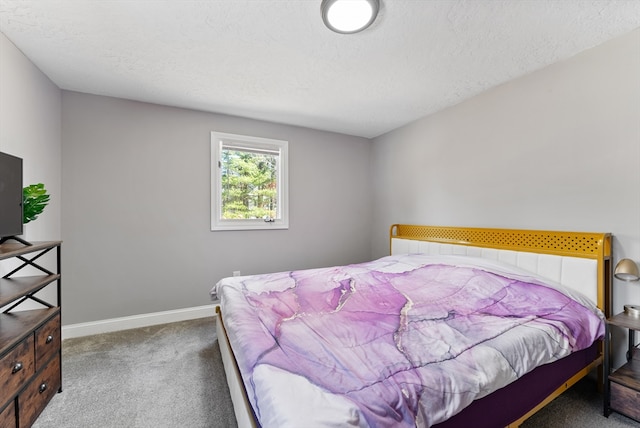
column 220, row 139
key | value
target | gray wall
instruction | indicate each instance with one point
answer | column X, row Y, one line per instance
column 30, row 115
column 30, row 111
column 136, row 221
column 558, row 149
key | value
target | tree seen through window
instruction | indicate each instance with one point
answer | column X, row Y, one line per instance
column 249, row 188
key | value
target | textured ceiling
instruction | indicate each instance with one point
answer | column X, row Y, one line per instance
column 274, row 60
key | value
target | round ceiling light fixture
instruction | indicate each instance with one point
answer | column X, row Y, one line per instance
column 349, row 16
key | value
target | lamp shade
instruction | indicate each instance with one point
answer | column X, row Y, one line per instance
column 349, row 16
column 627, row 270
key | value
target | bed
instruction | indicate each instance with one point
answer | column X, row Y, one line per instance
column 456, row 327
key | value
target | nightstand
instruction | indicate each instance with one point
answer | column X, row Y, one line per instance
column 622, row 387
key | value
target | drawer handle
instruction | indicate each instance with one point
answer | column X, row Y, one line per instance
column 49, row 339
column 16, row 368
column 42, row 388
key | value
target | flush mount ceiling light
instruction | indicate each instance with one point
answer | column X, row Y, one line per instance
column 349, row 16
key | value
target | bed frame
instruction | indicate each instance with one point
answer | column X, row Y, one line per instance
column 581, row 261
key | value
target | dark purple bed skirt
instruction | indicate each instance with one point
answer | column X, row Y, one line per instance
column 510, row 403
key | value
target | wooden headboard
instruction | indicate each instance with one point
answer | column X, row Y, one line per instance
column 579, row 260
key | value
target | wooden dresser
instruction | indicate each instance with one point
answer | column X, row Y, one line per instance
column 30, row 345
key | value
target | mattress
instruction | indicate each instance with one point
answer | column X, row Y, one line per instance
column 408, row 340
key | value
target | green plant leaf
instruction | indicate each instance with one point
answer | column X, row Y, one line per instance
column 34, row 200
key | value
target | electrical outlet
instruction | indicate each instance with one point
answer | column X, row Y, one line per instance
column 236, row 273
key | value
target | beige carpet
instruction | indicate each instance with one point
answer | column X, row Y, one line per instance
column 171, row 375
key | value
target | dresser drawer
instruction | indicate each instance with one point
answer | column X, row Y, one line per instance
column 47, row 341
column 625, row 400
column 16, row 367
column 8, row 416
column 35, row 397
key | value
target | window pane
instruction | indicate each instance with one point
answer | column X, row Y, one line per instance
column 249, row 184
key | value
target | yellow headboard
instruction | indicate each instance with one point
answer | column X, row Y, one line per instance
column 596, row 246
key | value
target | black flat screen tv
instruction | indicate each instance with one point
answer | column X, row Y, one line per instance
column 10, row 196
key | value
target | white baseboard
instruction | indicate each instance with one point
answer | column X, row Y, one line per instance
column 136, row 321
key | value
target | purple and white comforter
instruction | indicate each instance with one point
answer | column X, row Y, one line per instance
column 405, row 340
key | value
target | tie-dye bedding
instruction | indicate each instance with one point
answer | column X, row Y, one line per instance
column 402, row 341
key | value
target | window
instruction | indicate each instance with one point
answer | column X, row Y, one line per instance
column 248, row 183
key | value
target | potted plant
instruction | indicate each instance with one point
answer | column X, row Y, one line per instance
column 34, row 200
